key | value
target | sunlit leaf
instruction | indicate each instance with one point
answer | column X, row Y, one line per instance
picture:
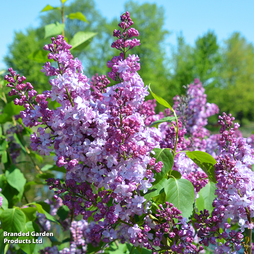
column 204, row 161
column 48, row 8
column 53, row 29
column 160, row 100
column 78, row 15
column 180, row 192
column 81, row 40
column 168, row 119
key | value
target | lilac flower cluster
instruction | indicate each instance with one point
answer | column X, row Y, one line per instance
column 123, row 43
column 193, row 111
column 98, row 135
column 171, row 225
column 234, row 190
column 78, row 244
column 234, row 175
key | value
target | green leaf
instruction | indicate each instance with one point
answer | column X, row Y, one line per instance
column 116, row 249
column 156, row 189
column 205, row 161
column 138, row 250
column 41, row 210
column 16, row 179
column 11, row 194
column 13, row 220
column 5, row 202
column 63, row 212
column 63, row 1
column 11, row 109
column 180, row 192
column 45, row 206
column 93, row 249
column 45, row 175
column 252, row 167
column 3, row 181
column 46, row 167
column 168, row 119
column 4, row 157
column 81, row 40
column 2, row 245
column 30, row 213
column 175, row 174
column 29, row 184
column 6, row 248
column 3, row 145
column 36, row 156
column 53, row 167
column 39, row 56
column 166, row 157
column 28, row 248
column 53, row 29
column 48, row 8
column 17, row 138
column 206, row 197
column 78, row 15
column 5, row 118
column 159, row 99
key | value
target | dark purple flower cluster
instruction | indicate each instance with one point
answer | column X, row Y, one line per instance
column 25, row 91
column 172, row 227
column 147, row 110
column 211, row 228
column 198, row 179
column 99, row 85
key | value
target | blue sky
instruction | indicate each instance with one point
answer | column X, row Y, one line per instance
column 191, row 17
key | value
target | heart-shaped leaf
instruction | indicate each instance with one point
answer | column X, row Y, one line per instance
column 206, row 197
column 13, row 220
column 180, row 192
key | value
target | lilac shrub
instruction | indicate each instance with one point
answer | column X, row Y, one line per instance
column 100, row 134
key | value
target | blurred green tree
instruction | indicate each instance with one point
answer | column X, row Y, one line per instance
column 235, row 94
column 182, row 68
column 17, row 57
column 207, row 59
